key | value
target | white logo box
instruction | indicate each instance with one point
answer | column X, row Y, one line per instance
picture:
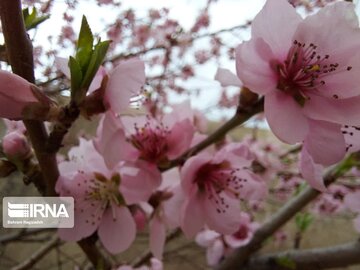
column 38, row 212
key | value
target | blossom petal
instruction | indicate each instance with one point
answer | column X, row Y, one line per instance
column 332, row 29
column 325, row 142
column 157, row 237
column 111, row 141
column 192, row 216
column 253, row 59
column 223, row 220
column 227, row 78
column 138, row 187
column 276, row 23
column 172, row 207
column 253, row 188
column 206, row 238
column 96, row 82
column 285, row 117
column 215, row 252
column 190, row 168
column 311, row 171
column 124, row 82
column 180, row 138
column 342, row 111
column 87, row 213
column 15, row 94
column 62, row 64
column 117, row 229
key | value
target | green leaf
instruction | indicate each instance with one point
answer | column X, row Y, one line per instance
column 286, row 262
column 346, row 164
column 303, row 221
column 76, row 79
column 300, row 188
column 85, row 45
column 31, row 19
column 96, row 60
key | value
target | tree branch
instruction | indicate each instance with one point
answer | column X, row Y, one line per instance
column 318, row 258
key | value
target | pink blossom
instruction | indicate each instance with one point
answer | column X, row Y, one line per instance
column 144, row 137
column 15, row 95
column 212, row 187
column 244, row 233
column 102, row 194
column 307, row 73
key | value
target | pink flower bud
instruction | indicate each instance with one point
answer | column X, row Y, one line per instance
column 15, row 145
column 15, row 94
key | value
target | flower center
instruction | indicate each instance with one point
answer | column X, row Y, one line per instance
column 151, row 141
column 214, row 179
column 105, row 190
column 303, row 70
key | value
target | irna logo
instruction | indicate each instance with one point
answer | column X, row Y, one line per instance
column 34, row 210
column 38, row 212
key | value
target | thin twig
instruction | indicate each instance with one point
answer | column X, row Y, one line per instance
column 38, row 255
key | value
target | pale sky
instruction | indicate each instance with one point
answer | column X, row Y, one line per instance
column 224, row 14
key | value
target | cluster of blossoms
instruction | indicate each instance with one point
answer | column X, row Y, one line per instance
column 116, row 178
column 307, row 76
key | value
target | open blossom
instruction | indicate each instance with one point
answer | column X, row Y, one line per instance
column 124, row 82
column 212, row 187
column 153, row 140
column 15, row 95
column 102, row 195
column 307, row 73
